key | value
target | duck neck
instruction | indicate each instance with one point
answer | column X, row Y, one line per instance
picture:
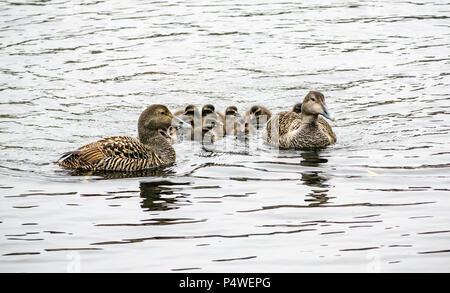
column 148, row 137
column 309, row 119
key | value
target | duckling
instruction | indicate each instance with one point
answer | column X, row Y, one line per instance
column 303, row 131
column 243, row 129
column 189, row 113
column 258, row 115
column 237, row 125
column 231, row 117
column 297, row 108
column 214, row 123
column 150, row 149
column 210, row 109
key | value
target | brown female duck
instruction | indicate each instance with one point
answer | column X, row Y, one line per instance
column 305, row 130
column 150, row 149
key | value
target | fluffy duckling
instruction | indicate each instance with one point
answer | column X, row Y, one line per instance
column 297, row 108
column 231, row 115
column 258, row 115
column 192, row 116
column 152, row 148
column 305, row 130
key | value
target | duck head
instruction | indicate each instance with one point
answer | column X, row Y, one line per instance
column 314, row 104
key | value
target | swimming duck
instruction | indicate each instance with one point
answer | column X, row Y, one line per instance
column 258, row 115
column 231, row 115
column 152, row 148
column 237, row 125
column 305, row 130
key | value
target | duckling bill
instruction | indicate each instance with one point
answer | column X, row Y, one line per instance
column 152, row 148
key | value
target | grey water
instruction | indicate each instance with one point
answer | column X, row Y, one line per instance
column 72, row 72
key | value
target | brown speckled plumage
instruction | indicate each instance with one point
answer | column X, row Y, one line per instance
column 122, row 153
column 302, row 131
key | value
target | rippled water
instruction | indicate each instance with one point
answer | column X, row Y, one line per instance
column 72, row 72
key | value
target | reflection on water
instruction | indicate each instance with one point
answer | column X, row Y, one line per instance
column 315, row 179
column 159, row 195
column 312, row 159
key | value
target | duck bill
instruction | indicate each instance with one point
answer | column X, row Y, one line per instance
column 325, row 113
column 180, row 123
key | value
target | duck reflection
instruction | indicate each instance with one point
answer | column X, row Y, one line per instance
column 315, row 179
column 160, row 195
column 159, row 172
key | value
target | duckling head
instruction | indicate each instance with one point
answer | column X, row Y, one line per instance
column 208, row 109
column 190, row 114
column 314, row 104
column 191, row 110
column 256, row 111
